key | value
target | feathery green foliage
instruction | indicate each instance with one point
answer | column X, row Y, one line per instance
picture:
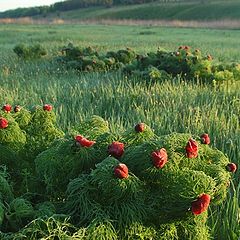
column 12, row 136
column 22, row 117
column 133, row 138
column 41, row 131
column 62, row 162
column 6, row 193
column 92, row 127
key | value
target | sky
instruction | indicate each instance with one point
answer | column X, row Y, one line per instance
column 12, row 4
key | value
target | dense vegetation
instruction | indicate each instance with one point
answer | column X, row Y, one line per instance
column 130, row 184
column 167, row 107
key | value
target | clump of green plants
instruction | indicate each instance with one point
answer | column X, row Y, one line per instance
column 30, row 52
column 89, row 59
column 22, row 116
column 192, row 65
column 164, row 185
column 162, row 65
column 10, row 133
column 92, row 183
column 42, row 130
column 92, row 127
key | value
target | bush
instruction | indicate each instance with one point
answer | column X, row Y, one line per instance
column 30, row 52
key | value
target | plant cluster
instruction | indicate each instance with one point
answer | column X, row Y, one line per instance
column 96, row 184
column 30, row 52
column 191, row 65
column 88, row 59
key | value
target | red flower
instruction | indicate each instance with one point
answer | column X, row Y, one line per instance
column 209, row 57
column 192, row 149
column 47, row 107
column 201, row 204
column 205, row 138
column 159, row 158
column 17, row 109
column 140, row 127
column 7, row 108
column 186, row 48
column 78, row 138
column 83, row 141
column 231, row 167
column 116, row 149
column 121, row 171
column 3, row 123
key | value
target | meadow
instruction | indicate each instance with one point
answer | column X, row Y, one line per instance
column 170, row 106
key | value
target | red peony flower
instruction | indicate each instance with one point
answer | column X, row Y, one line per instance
column 231, row 167
column 201, row 204
column 47, row 107
column 121, row 171
column 7, row 108
column 205, row 138
column 140, row 127
column 83, row 142
column 116, row 149
column 3, row 123
column 17, row 109
column 192, row 149
column 159, row 158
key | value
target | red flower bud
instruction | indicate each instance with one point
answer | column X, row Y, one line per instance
column 7, row 108
column 78, row 138
column 17, row 109
column 231, row 167
column 159, row 158
column 47, row 107
column 140, row 127
column 116, row 149
column 192, row 149
column 3, row 123
column 83, row 142
column 121, row 171
column 201, row 204
column 209, row 57
column 205, row 138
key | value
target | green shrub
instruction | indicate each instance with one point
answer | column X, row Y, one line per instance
column 30, row 52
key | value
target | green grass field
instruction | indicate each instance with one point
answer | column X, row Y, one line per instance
column 174, row 106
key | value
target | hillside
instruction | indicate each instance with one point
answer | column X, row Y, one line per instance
column 211, row 10
column 199, row 10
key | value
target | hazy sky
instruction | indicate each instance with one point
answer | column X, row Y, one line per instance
column 12, row 4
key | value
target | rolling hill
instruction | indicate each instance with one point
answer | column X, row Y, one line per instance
column 197, row 10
